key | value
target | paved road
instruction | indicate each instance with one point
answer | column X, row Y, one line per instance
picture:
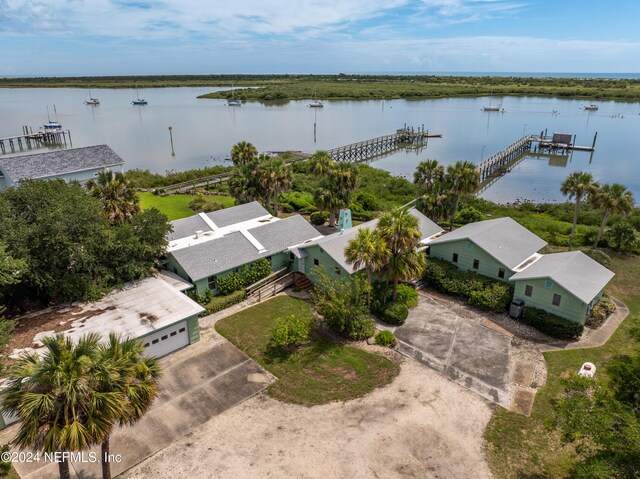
column 465, row 351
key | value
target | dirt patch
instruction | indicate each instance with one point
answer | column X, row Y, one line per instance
column 420, row 425
column 523, row 401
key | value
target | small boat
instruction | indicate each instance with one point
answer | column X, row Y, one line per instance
column 492, row 108
column 233, row 101
column 592, row 107
column 315, row 103
column 91, row 100
column 139, row 101
column 51, row 127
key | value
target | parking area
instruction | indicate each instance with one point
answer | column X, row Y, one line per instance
column 462, row 349
column 198, row 383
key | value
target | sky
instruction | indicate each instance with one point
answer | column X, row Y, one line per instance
column 120, row 37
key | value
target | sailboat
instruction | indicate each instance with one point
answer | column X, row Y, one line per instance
column 592, row 107
column 315, row 103
column 233, row 101
column 491, row 107
column 51, row 126
column 139, row 101
column 91, row 101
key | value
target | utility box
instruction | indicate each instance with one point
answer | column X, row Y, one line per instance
column 516, row 309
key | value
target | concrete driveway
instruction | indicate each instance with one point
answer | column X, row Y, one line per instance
column 199, row 382
column 465, row 351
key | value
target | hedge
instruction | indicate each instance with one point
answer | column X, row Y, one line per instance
column 479, row 291
column 319, row 217
column 246, row 276
column 395, row 313
column 218, row 303
column 551, row 324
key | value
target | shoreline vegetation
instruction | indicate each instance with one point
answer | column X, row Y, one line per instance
column 283, row 88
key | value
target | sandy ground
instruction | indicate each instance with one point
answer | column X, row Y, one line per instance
column 419, row 426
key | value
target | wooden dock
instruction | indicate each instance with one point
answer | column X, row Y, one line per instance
column 30, row 140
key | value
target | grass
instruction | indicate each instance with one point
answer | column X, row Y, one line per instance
column 319, row 372
column 175, row 206
column 531, row 447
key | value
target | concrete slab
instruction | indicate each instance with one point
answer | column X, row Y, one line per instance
column 465, row 351
column 523, row 401
column 198, row 383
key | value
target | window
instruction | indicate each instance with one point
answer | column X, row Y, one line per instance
column 556, row 299
column 548, row 284
column 337, row 269
column 315, row 261
column 501, row 273
column 476, row 264
column 455, row 257
column 469, row 245
column 164, row 338
column 292, row 256
column 173, row 333
column 155, row 341
column 528, row 290
column 182, row 330
column 212, row 282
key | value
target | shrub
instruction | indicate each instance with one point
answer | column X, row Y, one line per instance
column 289, row 332
column 395, row 313
column 297, row 200
column 551, row 324
column 366, row 201
column 218, row 303
column 407, row 295
column 202, row 204
column 600, row 312
column 468, row 215
column 386, row 338
column 319, row 217
column 246, row 276
column 228, row 283
column 495, row 297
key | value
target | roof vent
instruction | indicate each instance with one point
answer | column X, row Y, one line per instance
column 199, row 234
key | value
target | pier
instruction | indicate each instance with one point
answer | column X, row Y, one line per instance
column 29, row 140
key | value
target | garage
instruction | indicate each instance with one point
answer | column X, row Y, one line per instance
column 167, row 340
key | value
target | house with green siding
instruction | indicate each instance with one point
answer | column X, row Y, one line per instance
column 495, row 248
column 206, row 246
column 565, row 284
column 329, row 251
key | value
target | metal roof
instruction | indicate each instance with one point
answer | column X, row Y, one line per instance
column 506, row 240
column 335, row 244
column 236, row 249
column 574, row 271
column 54, row 163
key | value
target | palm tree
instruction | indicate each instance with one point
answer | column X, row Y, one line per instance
column 367, row 250
column 326, row 199
column 119, row 199
column 243, row 153
column 320, row 164
column 400, row 230
column 611, row 199
column 57, row 398
column 461, row 179
column 428, row 173
column 577, row 185
column 134, row 377
column 275, row 177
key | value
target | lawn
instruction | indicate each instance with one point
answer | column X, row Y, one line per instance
column 317, row 373
column 175, row 206
column 531, row 447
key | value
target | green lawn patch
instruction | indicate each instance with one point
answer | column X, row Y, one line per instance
column 319, row 372
column 531, row 447
column 175, row 206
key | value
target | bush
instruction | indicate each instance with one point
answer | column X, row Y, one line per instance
column 218, row 303
column 246, row 276
column 467, row 215
column 386, row 338
column 551, row 324
column 203, row 204
column 289, row 332
column 395, row 313
column 407, row 295
column 495, row 297
column 297, row 200
column 600, row 312
column 319, row 217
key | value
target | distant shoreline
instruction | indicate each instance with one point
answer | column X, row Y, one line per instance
column 282, row 88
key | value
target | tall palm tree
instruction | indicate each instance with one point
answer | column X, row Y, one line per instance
column 243, row 153
column 461, row 179
column 119, row 199
column 577, row 185
column 275, row 177
column 428, row 173
column 57, row 398
column 611, row 199
column 320, row 164
column 367, row 250
column 134, row 376
column 400, row 230
column 326, row 199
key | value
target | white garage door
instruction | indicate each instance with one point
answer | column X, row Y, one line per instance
column 167, row 340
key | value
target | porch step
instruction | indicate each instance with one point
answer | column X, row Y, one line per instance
column 302, row 282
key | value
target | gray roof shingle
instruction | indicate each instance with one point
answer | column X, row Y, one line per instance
column 237, row 214
column 234, row 250
column 53, row 163
column 506, row 240
column 187, row 227
column 574, row 271
column 335, row 244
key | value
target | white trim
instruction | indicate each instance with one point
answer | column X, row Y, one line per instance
column 208, row 220
column 256, row 244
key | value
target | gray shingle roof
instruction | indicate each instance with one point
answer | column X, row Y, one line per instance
column 503, row 238
column 335, row 244
column 237, row 214
column 53, row 163
column 234, row 250
column 574, row 271
column 187, row 227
